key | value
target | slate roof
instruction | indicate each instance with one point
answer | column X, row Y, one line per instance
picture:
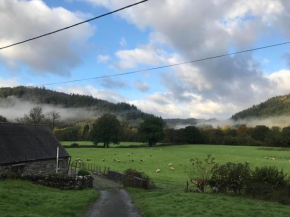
column 21, row 142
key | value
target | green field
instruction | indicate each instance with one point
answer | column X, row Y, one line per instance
column 21, row 198
column 160, row 202
column 90, row 143
column 179, row 156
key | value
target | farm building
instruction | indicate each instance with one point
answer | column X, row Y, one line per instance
column 30, row 149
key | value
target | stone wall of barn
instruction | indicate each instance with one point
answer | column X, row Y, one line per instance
column 36, row 167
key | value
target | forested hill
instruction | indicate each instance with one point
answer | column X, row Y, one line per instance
column 49, row 97
column 276, row 106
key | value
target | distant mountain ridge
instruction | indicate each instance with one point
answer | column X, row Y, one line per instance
column 276, row 106
column 55, row 98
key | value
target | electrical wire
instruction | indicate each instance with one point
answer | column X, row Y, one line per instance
column 68, row 27
column 167, row 66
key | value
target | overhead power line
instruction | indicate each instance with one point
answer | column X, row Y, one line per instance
column 68, row 27
column 167, row 66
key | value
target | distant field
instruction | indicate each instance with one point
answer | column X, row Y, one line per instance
column 164, row 203
column 68, row 143
column 21, row 198
column 179, row 156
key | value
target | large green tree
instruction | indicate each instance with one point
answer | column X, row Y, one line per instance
column 151, row 130
column 106, row 130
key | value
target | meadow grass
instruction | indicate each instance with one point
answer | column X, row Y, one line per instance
column 24, row 199
column 173, row 201
column 159, row 158
column 160, row 204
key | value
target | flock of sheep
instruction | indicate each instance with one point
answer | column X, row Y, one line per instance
column 141, row 160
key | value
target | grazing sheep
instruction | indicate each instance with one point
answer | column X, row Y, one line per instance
column 266, row 158
column 172, row 168
column 273, row 158
column 103, row 160
column 89, row 159
column 115, row 160
column 170, row 164
column 78, row 159
column 141, row 160
column 118, row 161
column 158, row 171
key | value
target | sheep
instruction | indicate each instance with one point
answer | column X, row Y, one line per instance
column 170, row 164
column 115, row 160
column 141, row 160
column 158, row 170
column 273, row 158
column 103, row 160
column 266, row 158
column 78, row 159
column 172, row 168
column 288, row 161
column 118, row 161
column 89, row 159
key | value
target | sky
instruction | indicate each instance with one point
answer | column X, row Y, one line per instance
column 155, row 33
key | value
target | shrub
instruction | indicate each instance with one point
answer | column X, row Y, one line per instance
column 74, row 145
column 83, row 173
column 200, row 172
column 135, row 173
column 266, row 181
column 230, row 177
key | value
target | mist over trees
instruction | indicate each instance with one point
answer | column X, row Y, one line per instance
column 37, row 116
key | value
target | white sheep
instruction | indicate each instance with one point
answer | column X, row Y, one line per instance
column 170, row 164
column 172, row 168
column 158, row 171
column 141, row 160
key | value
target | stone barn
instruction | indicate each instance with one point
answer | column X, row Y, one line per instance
column 30, row 149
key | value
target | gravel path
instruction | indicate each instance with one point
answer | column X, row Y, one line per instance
column 113, row 202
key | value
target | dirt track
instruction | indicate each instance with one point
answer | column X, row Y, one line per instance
column 113, row 201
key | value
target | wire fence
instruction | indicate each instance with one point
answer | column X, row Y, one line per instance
column 75, row 166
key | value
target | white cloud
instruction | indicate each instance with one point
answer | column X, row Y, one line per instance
column 141, row 86
column 56, row 53
column 103, row 59
column 192, row 31
column 123, row 42
column 8, row 83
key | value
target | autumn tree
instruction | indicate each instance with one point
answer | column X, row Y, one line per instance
column 106, row 130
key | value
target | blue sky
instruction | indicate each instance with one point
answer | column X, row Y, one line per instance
column 156, row 33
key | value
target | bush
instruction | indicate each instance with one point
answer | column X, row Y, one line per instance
column 135, row 173
column 200, row 172
column 230, row 177
column 266, row 181
column 83, row 173
column 74, row 145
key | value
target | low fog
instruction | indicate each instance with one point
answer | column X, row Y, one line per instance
column 13, row 108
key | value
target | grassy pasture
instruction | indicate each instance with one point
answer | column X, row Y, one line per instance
column 179, row 156
column 21, row 198
column 161, row 203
